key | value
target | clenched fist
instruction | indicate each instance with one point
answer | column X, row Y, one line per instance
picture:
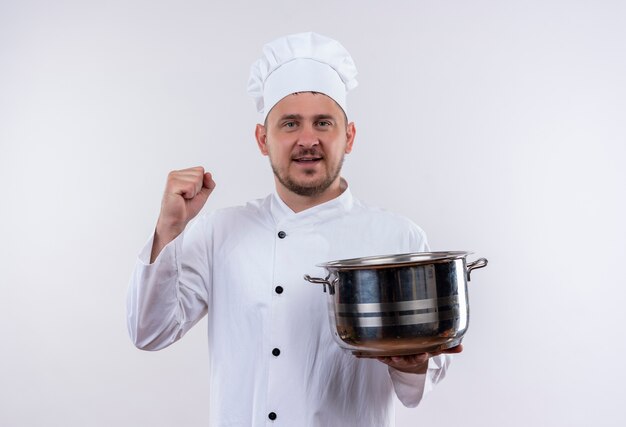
column 186, row 192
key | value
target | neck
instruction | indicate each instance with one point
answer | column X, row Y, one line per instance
column 298, row 203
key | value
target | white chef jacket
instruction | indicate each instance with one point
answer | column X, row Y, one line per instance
column 272, row 358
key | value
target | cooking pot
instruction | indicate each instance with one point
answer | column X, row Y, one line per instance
column 398, row 304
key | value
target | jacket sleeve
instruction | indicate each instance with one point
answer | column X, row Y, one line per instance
column 411, row 388
column 166, row 298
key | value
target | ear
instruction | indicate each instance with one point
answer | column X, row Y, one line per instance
column 260, row 133
column 350, row 134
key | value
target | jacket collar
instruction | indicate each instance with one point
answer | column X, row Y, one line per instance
column 282, row 213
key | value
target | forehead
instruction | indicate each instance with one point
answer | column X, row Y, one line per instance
column 305, row 104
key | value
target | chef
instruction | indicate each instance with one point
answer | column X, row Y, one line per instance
column 272, row 358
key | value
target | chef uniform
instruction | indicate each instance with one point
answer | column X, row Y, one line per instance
column 272, row 358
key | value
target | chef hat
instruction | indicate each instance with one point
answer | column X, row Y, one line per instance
column 304, row 62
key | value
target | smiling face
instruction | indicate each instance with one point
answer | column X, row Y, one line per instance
column 306, row 138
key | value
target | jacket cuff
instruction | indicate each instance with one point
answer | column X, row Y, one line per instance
column 409, row 387
column 169, row 254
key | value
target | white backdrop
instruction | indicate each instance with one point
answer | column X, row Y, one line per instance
column 498, row 126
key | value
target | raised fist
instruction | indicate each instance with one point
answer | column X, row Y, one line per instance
column 186, row 192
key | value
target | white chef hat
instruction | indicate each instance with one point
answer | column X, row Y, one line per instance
column 304, row 62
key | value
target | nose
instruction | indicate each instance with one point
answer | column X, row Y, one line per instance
column 308, row 137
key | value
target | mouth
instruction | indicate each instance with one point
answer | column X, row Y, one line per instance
column 307, row 160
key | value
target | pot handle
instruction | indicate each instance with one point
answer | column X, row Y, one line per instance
column 479, row 263
column 317, row 280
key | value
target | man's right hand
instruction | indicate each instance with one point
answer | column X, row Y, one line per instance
column 186, row 192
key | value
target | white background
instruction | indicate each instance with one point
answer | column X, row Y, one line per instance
column 498, row 126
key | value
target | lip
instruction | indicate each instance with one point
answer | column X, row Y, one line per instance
column 307, row 160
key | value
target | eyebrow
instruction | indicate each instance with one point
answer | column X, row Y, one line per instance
column 325, row 117
column 316, row 118
column 290, row 117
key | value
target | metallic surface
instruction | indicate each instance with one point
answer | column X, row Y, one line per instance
column 385, row 261
column 400, row 304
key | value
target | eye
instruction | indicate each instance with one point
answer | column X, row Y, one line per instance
column 290, row 125
column 324, row 123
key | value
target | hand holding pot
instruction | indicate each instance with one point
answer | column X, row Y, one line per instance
column 415, row 363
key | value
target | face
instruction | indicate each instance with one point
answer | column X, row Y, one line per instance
column 306, row 138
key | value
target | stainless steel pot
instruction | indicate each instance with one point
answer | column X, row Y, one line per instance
column 398, row 304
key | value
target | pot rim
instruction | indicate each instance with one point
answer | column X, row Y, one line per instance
column 397, row 260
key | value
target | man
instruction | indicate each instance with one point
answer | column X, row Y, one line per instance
column 272, row 356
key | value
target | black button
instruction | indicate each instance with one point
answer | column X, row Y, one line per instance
column 276, row 352
column 282, row 234
column 279, row 289
column 271, row 416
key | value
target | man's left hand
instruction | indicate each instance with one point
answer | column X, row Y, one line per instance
column 415, row 363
